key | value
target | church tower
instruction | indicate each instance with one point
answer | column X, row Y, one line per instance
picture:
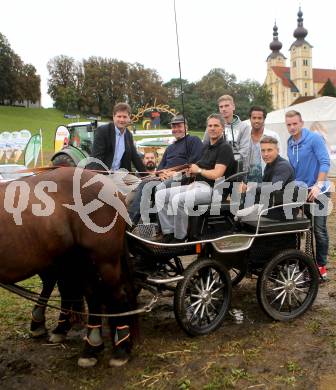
column 275, row 59
column 301, row 69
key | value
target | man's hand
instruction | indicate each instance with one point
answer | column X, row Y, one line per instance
column 242, row 187
column 314, row 193
column 193, row 169
column 166, row 174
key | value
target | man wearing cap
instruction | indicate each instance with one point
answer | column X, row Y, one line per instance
column 186, row 149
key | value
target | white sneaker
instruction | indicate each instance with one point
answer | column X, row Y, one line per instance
column 254, row 210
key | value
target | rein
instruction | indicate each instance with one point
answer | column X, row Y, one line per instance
column 31, row 296
column 177, row 168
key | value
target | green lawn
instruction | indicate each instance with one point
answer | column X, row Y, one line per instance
column 48, row 119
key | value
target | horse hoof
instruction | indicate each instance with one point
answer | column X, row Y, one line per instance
column 38, row 332
column 119, row 358
column 57, row 338
column 87, row 362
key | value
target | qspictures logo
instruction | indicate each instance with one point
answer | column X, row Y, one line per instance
column 17, row 194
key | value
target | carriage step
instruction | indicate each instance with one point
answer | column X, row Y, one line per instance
column 163, row 280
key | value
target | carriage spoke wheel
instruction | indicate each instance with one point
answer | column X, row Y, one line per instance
column 288, row 285
column 202, row 298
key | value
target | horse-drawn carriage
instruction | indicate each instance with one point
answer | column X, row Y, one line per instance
column 224, row 249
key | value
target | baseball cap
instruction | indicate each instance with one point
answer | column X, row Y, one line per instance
column 178, row 119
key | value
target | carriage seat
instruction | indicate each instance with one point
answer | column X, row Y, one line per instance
column 268, row 225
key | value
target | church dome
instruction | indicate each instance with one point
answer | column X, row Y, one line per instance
column 300, row 32
column 275, row 45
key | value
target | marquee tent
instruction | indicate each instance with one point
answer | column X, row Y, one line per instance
column 318, row 114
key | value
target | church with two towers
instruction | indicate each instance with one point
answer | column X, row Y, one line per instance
column 300, row 81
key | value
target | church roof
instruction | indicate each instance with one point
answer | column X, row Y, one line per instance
column 322, row 75
column 319, row 76
column 283, row 72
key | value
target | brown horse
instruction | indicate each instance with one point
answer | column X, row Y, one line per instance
column 74, row 221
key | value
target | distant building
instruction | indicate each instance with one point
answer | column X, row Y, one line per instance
column 300, row 81
column 24, row 103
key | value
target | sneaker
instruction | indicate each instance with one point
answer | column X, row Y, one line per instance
column 177, row 240
column 323, row 271
column 163, row 238
column 248, row 211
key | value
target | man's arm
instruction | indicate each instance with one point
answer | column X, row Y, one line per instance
column 212, row 174
column 196, row 148
column 243, row 140
column 322, row 155
column 136, row 160
column 98, row 147
column 163, row 160
column 283, row 173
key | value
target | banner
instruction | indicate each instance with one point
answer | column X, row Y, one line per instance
column 32, row 150
column 12, row 144
column 61, row 138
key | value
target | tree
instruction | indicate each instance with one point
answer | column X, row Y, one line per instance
column 200, row 98
column 216, row 83
column 105, row 83
column 174, row 87
column 5, row 68
column 329, row 89
column 144, row 86
column 64, row 85
column 250, row 93
column 18, row 81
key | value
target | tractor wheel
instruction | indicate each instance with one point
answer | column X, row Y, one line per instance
column 63, row 160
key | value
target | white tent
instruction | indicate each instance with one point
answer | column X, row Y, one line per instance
column 320, row 112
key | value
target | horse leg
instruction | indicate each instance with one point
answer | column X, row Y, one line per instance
column 94, row 343
column 58, row 334
column 37, row 325
column 122, row 328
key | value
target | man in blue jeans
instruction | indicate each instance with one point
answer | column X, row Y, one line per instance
column 310, row 160
column 186, row 149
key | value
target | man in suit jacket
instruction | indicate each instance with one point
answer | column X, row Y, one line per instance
column 113, row 143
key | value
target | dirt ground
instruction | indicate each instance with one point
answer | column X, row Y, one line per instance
column 250, row 352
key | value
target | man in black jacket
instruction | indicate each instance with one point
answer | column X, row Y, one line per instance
column 278, row 174
column 113, row 143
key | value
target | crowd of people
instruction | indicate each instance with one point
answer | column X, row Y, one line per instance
column 226, row 141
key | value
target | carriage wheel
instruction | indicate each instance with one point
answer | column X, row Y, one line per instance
column 288, row 285
column 202, row 298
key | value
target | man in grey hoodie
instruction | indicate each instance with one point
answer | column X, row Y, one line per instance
column 236, row 132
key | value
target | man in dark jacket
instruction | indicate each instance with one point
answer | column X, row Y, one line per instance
column 113, row 143
column 278, row 174
column 186, row 149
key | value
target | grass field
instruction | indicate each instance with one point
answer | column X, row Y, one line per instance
column 48, row 119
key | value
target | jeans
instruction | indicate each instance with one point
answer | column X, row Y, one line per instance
column 175, row 204
column 321, row 239
column 320, row 232
column 134, row 209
